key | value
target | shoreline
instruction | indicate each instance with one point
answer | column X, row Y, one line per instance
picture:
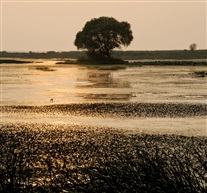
column 129, row 62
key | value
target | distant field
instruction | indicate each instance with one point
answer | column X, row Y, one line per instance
column 126, row 55
column 162, row 55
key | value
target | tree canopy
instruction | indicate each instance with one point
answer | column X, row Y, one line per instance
column 101, row 35
column 193, row 47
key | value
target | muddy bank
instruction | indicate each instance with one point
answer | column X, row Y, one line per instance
column 114, row 109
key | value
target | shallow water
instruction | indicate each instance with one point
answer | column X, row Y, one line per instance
column 179, row 126
column 25, row 85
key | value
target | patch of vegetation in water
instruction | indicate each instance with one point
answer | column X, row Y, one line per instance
column 170, row 63
column 200, row 74
column 115, row 61
column 101, row 60
column 11, row 61
column 108, row 67
column 95, row 60
column 43, row 68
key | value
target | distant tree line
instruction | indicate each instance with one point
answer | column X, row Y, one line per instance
column 42, row 55
column 125, row 55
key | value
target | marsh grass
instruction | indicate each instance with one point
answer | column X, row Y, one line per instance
column 42, row 68
column 61, row 158
column 171, row 63
column 113, row 62
column 200, row 74
column 118, row 110
column 108, row 67
column 13, row 61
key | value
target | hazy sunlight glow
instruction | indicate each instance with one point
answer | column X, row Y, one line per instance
column 45, row 25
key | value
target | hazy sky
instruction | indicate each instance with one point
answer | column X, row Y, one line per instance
column 44, row 25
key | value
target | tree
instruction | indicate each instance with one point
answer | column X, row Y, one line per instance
column 193, row 47
column 101, row 35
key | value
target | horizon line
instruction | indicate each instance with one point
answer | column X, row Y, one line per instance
column 86, row 51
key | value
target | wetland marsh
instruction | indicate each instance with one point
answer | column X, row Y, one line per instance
column 164, row 87
column 118, row 128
